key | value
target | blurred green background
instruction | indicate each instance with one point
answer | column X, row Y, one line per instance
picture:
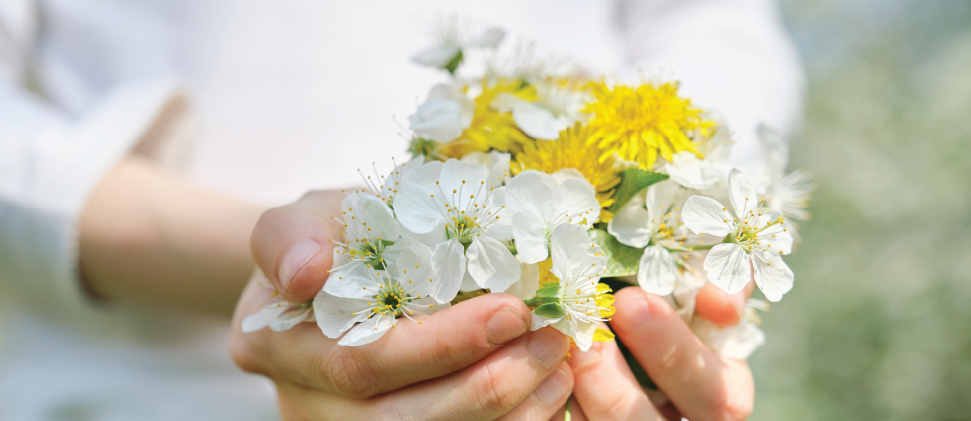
column 878, row 326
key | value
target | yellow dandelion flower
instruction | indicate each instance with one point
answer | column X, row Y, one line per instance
column 571, row 151
column 491, row 129
column 640, row 123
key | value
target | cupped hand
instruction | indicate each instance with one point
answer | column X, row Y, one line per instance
column 697, row 382
column 475, row 360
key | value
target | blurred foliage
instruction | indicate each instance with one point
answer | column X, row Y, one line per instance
column 878, row 326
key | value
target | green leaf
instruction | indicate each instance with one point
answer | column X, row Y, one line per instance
column 621, row 260
column 549, row 291
column 550, row 310
column 632, row 181
column 454, row 63
column 540, row 301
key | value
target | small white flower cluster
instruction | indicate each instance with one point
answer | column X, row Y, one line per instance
column 678, row 219
column 410, row 243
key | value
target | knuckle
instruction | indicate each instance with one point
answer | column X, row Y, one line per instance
column 617, row 406
column 349, row 376
column 492, row 397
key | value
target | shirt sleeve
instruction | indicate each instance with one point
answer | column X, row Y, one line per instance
column 732, row 56
column 51, row 160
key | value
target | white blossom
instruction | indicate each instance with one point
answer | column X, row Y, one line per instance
column 647, row 222
column 471, row 224
column 756, row 239
column 578, row 264
column 540, row 204
column 453, row 40
column 371, row 300
column 444, row 115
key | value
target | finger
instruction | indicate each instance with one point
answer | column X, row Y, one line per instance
column 484, row 391
column 605, row 386
column 720, row 307
column 547, row 399
column 700, row 383
column 445, row 342
column 491, row 387
column 291, row 244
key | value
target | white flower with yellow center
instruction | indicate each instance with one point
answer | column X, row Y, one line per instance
column 464, row 210
column 578, row 302
column 754, row 238
column 541, row 204
column 555, row 109
column 692, row 172
column 647, row 222
column 368, row 237
column 371, row 301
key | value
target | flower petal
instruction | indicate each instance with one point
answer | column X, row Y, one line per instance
column 436, row 56
column 369, row 331
column 537, row 121
column 658, row 271
column 413, row 268
column 741, row 193
column 584, row 334
column 632, row 225
column 576, row 200
column 530, row 192
column 449, row 264
column 335, row 315
column 773, row 276
column 705, row 215
column 528, row 283
column 377, row 219
column 440, row 120
column 531, row 241
column 290, row 319
column 425, row 305
column 491, row 264
column 417, row 210
column 728, row 267
column 571, row 252
column 490, row 38
column 461, row 180
column 262, row 318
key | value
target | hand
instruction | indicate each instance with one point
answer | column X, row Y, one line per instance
column 696, row 382
column 475, row 360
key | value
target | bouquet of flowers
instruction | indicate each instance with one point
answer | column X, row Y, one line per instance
column 532, row 180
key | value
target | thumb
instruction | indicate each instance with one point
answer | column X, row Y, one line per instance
column 291, row 244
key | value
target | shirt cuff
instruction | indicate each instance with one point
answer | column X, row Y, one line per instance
column 67, row 164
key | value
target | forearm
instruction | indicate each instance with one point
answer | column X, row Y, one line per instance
column 150, row 238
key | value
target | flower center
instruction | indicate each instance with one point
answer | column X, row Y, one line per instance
column 391, row 298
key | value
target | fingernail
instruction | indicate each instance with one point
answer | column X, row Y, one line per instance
column 505, row 325
column 634, row 308
column 551, row 390
column 548, row 346
column 296, row 258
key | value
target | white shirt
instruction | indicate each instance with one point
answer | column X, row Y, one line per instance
column 285, row 96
